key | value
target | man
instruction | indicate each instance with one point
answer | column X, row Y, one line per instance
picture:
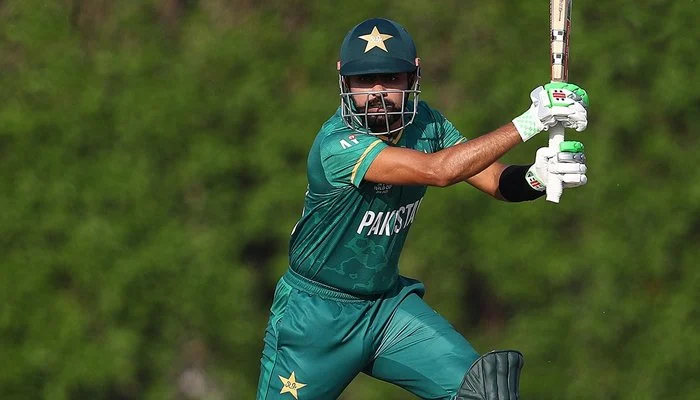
column 342, row 308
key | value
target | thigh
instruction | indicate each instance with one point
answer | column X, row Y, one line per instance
column 422, row 352
column 312, row 347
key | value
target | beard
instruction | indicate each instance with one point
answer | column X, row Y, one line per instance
column 378, row 123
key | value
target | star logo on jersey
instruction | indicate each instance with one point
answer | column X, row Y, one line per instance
column 375, row 39
column 290, row 385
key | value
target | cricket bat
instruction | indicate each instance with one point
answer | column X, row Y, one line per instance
column 560, row 24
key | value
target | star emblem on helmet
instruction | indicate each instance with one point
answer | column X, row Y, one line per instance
column 375, row 39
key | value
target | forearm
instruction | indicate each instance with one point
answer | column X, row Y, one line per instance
column 463, row 161
column 410, row 166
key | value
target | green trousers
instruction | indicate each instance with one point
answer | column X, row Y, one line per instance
column 318, row 339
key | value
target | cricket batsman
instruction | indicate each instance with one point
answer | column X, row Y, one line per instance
column 342, row 307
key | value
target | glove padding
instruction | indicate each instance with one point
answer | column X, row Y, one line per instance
column 569, row 164
column 551, row 104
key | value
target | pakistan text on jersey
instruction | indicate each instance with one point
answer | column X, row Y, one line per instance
column 390, row 222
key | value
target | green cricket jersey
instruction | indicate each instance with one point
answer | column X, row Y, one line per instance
column 352, row 231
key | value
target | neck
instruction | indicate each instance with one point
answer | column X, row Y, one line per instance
column 391, row 137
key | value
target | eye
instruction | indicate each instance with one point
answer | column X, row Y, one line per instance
column 391, row 79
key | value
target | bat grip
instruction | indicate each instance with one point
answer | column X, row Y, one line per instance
column 554, row 183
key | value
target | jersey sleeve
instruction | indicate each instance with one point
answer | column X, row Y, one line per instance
column 345, row 158
column 448, row 135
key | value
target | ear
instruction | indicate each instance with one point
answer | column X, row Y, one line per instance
column 338, row 65
column 417, row 62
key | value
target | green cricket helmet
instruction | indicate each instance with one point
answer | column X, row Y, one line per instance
column 378, row 46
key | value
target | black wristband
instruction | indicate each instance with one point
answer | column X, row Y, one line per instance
column 514, row 187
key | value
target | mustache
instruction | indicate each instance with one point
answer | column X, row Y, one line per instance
column 387, row 104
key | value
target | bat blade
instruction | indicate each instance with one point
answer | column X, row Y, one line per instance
column 560, row 29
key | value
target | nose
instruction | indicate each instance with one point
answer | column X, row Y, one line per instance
column 378, row 87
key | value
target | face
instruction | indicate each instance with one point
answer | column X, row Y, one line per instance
column 379, row 93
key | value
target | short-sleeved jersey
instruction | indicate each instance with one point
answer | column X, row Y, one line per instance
column 352, row 231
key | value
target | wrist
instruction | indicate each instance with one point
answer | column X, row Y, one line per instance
column 533, row 179
column 527, row 124
column 515, row 186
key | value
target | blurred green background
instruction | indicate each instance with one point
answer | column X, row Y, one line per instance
column 152, row 158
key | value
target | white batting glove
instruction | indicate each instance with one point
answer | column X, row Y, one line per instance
column 569, row 163
column 553, row 103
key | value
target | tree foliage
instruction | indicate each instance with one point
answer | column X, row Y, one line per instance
column 153, row 157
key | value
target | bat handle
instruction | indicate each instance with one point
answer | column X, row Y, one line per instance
column 554, row 183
